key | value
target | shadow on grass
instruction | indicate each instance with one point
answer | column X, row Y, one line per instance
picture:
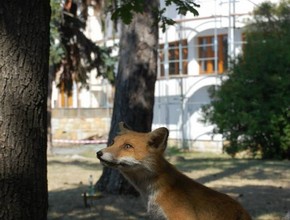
column 269, row 191
column 226, row 167
column 261, row 200
column 69, row 205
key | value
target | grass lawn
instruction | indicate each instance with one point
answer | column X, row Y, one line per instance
column 262, row 187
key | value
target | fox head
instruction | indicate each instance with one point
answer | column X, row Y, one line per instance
column 132, row 150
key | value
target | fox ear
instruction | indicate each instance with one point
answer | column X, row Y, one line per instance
column 123, row 128
column 158, row 138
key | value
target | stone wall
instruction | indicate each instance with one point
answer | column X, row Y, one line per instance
column 80, row 124
column 94, row 124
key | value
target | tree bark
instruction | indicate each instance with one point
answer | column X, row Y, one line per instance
column 135, row 83
column 24, row 51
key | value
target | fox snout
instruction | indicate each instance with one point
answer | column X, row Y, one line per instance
column 105, row 157
column 111, row 160
column 99, row 154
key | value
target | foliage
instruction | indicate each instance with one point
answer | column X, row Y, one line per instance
column 125, row 10
column 72, row 54
column 251, row 108
column 56, row 51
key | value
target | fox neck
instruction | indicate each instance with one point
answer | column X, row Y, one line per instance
column 148, row 180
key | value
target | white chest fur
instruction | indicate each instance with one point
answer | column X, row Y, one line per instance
column 154, row 210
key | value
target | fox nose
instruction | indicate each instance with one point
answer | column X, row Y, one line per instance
column 99, row 154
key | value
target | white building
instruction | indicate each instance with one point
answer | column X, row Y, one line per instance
column 193, row 56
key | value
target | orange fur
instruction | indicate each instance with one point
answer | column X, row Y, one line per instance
column 169, row 194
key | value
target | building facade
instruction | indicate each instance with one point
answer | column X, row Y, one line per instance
column 194, row 55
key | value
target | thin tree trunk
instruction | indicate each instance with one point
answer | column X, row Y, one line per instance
column 49, row 111
column 134, row 96
column 24, row 51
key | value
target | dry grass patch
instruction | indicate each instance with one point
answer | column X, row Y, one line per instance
column 263, row 187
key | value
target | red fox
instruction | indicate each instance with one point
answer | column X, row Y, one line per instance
column 168, row 193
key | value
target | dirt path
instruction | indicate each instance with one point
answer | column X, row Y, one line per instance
column 263, row 187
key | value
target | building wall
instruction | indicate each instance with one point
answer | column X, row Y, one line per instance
column 178, row 103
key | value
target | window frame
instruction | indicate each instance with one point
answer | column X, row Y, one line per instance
column 173, row 58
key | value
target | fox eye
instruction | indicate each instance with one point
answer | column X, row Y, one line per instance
column 128, row 146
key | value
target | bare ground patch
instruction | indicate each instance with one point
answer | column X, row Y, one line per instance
column 263, row 187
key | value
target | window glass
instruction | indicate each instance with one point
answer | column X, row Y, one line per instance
column 208, row 62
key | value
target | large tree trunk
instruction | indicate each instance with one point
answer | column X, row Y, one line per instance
column 134, row 96
column 24, row 51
